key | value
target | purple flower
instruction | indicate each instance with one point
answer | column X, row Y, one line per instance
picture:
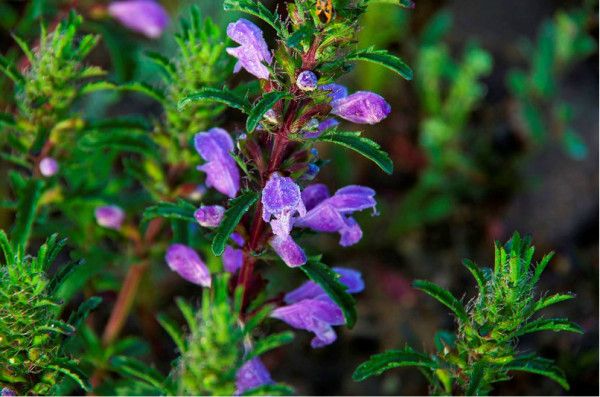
column 362, row 107
column 221, row 171
column 322, row 127
column 336, row 91
column 253, row 49
column 315, row 315
column 110, row 216
column 233, row 258
column 291, row 253
column 48, row 166
column 6, row 392
column 251, row 375
column 143, row 16
column 209, row 215
column 331, row 214
column 307, row 81
column 351, row 278
column 186, row 262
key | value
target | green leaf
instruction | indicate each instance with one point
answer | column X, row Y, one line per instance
column 269, row 343
column 120, row 140
column 83, row 311
column 224, row 96
column 164, row 62
column 549, row 324
column 477, row 275
column 277, row 389
column 7, row 250
column 138, row 369
column 328, row 279
column 135, row 86
column 9, row 69
column 551, row 300
column 257, row 319
column 173, row 330
column 476, row 380
column 443, row 296
column 237, row 208
column 73, row 373
column 26, row 209
column 382, row 362
column 383, row 58
column 7, row 119
column 61, row 275
column 257, row 9
column 258, row 111
column 181, row 209
column 540, row 366
column 361, row 145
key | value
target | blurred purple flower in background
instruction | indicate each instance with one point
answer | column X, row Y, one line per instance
column 110, row 216
column 309, row 308
column 331, row 214
column 209, row 215
column 307, row 81
column 6, row 392
column 147, row 17
column 233, row 258
column 251, row 375
column 253, row 49
column 362, row 107
column 221, row 170
column 186, row 262
column 48, row 166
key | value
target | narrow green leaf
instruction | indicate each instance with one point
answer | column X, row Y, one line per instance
column 9, row 69
column 7, row 250
column 136, row 368
column 61, row 275
column 269, row 343
column 382, row 362
column 73, row 373
column 384, row 58
column 477, row 275
column 539, row 269
column 361, row 145
column 167, row 66
column 224, row 96
column 7, row 119
column 119, row 139
column 145, row 89
column 551, row 300
column 237, row 208
column 84, row 310
column 188, row 313
column 549, row 324
column 443, row 296
column 540, row 366
column 258, row 111
column 257, row 319
column 328, row 279
column 173, row 330
column 476, row 380
column 26, row 209
column 181, row 209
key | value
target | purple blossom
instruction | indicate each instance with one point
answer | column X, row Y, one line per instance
column 253, row 49
column 331, row 214
column 6, row 392
column 110, row 216
column 307, row 81
column 322, row 127
column 221, row 171
column 315, row 315
column 233, row 258
column 143, row 16
column 362, row 107
column 288, row 250
column 48, row 166
column 186, row 262
column 336, row 91
column 351, row 278
column 251, row 375
column 209, row 215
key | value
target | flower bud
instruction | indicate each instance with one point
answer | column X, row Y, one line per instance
column 307, row 81
column 186, row 262
column 209, row 215
column 48, row 166
column 110, row 216
column 362, row 107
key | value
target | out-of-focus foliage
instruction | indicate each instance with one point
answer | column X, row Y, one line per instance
column 483, row 351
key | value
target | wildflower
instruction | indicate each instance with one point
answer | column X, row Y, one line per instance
column 143, row 16
column 6, row 392
column 362, row 107
column 110, row 216
column 309, row 308
column 186, row 262
column 307, row 81
column 48, row 166
column 233, row 258
column 253, row 49
column 330, row 214
column 209, row 215
column 336, row 91
column 221, row 171
column 251, row 375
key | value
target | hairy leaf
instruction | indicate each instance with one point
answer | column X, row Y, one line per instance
column 136, row 368
column 232, row 217
column 257, row 9
column 551, row 300
column 224, row 96
column 443, row 296
column 27, row 206
column 549, row 324
column 382, row 362
column 269, row 343
column 540, row 366
column 384, row 58
column 362, row 145
column 267, row 101
column 181, row 209
column 173, row 330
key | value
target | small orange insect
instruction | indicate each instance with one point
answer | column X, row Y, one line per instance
column 326, row 8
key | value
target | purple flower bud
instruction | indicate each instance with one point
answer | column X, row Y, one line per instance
column 209, row 215
column 315, row 315
column 48, row 166
column 233, row 259
column 330, row 214
column 6, row 392
column 186, row 262
column 322, row 127
column 253, row 49
column 143, row 16
column 337, row 91
column 221, row 170
column 307, row 81
column 281, row 199
column 287, row 249
column 351, row 278
column 362, row 107
column 110, row 216
column 251, row 375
